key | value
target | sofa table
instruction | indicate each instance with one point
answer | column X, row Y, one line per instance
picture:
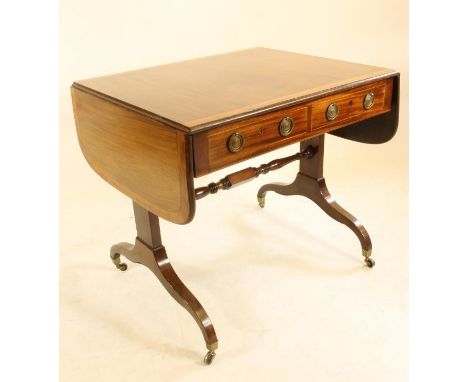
column 150, row 132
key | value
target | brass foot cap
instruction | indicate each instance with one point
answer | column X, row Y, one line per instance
column 209, row 357
column 116, row 260
column 261, row 201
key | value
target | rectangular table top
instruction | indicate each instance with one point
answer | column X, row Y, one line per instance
column 198, row 94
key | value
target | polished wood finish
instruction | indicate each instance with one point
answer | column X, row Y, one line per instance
column 378, row 129
column 261, row 134
column 310, row 183
column 149, row 132
column 200, row 94
column 149, row 251
column 147, row 161
column 250, row 173
column 351, row 106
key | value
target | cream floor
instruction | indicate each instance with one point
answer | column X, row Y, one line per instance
column 285, row 286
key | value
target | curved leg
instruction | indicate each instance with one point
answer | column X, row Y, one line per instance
column 279, row 188
column 317, row 191
column 310, row 183
column 155, row 258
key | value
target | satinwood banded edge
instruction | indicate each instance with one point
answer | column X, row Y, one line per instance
column 211, row 152
column 147, row 161
column 207, row 92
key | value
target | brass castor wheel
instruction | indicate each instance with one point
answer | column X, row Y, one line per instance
column 209, row 357
column 369, row 262
column 261, row 201
column 116, row 260
column 122, row 267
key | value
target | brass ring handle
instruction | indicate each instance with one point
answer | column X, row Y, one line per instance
column 332, row 111
column 369, row 99
column 235, row 142
column 285, row 126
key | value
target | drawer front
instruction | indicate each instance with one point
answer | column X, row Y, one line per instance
column 351, row 105
column 215, row 149
column 262, row 134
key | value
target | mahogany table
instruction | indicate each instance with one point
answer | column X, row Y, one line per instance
column 149, row 132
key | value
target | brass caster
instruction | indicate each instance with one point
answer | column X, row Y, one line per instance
column 209, row 357
column 122, row 267
column 261, row 201
column 367, row 254
column 369, row 262
column 116, row 260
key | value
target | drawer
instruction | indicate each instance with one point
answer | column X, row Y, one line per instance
column 226, row 145
column 351, row 106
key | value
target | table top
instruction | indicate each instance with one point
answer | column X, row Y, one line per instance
column 197, row 94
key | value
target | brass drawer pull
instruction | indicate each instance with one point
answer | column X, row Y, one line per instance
column 369, row 100
column 285, row 126
column 235, row 142
column 332, row 111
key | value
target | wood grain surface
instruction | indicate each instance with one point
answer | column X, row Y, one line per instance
column 351, row 107
column 148, row 132
column 261, row 133
column 198, row 94
column 147, row 161
column 310, row 183
column 149, row 251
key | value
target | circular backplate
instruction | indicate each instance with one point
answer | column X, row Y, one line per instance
column 285, row 126
column 235, row 142
column 332, row 111
column 369, row 99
